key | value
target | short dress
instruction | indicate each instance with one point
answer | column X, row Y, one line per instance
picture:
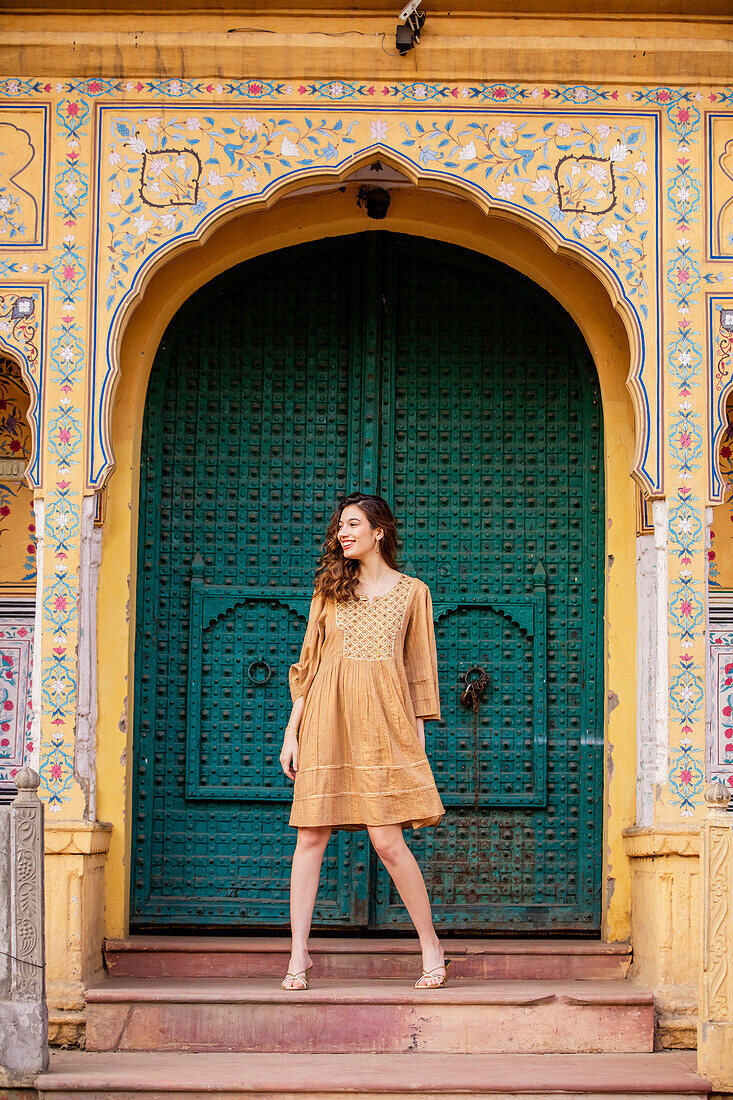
column 368, row 668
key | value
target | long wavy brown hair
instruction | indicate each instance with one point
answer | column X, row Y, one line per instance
column 336, row 576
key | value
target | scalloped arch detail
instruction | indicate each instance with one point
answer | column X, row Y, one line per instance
column 647, row 465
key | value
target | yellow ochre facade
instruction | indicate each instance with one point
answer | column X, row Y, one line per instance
column 587, row 146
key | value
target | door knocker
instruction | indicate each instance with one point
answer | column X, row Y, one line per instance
column 259, row 663
column 471, row 696
column 475, row 689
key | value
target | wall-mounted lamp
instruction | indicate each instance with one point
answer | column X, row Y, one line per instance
column 726, row 320
column 375, row 199
column 408, row 31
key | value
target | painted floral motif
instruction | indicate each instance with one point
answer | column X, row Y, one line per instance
column 170, row 170
column 71, row 190
column 417, row 91
column 11, row 215
column 723, row 357
column 585, row 185
column 532, row 163
column 170, row 177
column 57, row 771
column 19, row 324
column 686, row 540
column 587, row 178
column 16, row 663
column 64, row 436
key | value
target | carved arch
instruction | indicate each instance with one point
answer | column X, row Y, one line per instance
column 643, row 381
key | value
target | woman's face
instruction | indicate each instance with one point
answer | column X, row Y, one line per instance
column 355, row 533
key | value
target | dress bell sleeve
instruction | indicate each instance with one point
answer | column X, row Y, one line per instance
column 421, row 658
column 301, row 674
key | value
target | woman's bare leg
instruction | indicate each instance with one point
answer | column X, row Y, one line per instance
column 389, row 844
column 304, row 875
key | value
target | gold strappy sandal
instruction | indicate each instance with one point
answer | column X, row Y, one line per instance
column 300, row 976
column 431, row 974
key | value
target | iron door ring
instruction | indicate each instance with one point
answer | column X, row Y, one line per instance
column 254, row 664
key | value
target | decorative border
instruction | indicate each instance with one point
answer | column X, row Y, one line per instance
column 255, row 88
column 686, row 537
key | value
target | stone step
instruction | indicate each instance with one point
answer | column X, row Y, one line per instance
column 663, row 1076
column 382, row 1017
column 344, row 957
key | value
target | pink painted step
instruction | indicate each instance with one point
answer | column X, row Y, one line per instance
column 341, row 957
column 663, row 1076
column 333, row 1016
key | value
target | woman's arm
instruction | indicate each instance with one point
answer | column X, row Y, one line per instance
column 289, row 751
column 296, row 712
column 300, row 677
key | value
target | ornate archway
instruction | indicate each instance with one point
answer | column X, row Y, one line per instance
column 312, row 217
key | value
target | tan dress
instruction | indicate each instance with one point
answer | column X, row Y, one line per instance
column 368, row 668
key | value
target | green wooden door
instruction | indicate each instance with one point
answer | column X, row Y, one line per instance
column 464, row 395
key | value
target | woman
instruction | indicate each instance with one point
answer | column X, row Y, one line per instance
column 366, row 681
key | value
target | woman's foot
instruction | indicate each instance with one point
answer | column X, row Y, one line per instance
column 297, row 975
column 434, row 967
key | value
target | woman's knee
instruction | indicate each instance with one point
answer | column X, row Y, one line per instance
column 313, row 839
column 389, row 843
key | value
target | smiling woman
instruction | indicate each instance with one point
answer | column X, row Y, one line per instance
column 366, row 681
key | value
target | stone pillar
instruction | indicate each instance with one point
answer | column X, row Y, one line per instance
column 665, row 908
column 85, row 744
column 23, row 1012
column 665, row 881
column 652, row 674
column 715, row 1022
column 663, row 847
column 76, row 843
column 75, row 856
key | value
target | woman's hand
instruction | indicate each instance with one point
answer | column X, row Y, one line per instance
column 289, row 755
column 421, row 731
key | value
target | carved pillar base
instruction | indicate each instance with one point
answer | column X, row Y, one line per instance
column 715, row 1027
column 23, row 1011
column 665, row 926
column 75, row 855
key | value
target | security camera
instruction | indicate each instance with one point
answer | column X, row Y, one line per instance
column 408, row 33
